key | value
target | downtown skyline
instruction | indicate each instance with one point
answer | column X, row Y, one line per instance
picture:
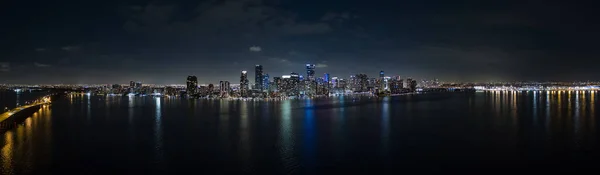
column 159, row 42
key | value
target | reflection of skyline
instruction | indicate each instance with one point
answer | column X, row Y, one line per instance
column 309, row 135
column 158, row 135
column 286, row 140
column 385, row 124
column 7, row 153
column 244, row 133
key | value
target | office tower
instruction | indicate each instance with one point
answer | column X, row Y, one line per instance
column 277, row 83
column 192, row 85
column 381, row 81
column 362, row 82
column 131, row 84
column 224, row 88
column 265, row 82
column 286, row 85
column 342, row 83
column 258, row 77
column 326, row 78
column 295, row 83
column 244, row 84
column 138, row 85
column 353, row 84
column 310, row 72
column 334, row 82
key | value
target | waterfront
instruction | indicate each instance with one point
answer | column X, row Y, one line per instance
column 426, row 132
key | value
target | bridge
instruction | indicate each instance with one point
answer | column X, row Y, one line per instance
column 42, row 101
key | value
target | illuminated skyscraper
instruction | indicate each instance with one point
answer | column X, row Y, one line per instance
column 244, row 84
column 382, row 82
column 295, row 83
column 258, row 77
column 277, row 83
column 362, row 82
column 224, row 88
column 265, row 82
column 192, row 85
column 310, row 72
column 334, row 82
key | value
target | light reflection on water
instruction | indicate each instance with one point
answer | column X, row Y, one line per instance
column 309, row 136
column 300, row 139
column 158, row 133
column 287, row 143
column 19, row 143
column 7, row 153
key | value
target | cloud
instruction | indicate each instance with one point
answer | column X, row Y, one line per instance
column 70, row 48
column 255, row 49
column 40, row 49
column 233, row 19
column 4, row 66
column 319, row 65
column 331, row 16
column 36, row 64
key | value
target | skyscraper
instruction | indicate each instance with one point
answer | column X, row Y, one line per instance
column 310, row 72
column 224, row 88
column 258, row 77
column 334, row 82
column 381, row 81
column 295, row 83
column 277, row 83
column 362, row 82
column 244, row 84
column 192, row 85
column 265, row 82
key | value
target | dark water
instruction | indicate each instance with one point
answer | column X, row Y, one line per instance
column 10, row 99
column 444, row 132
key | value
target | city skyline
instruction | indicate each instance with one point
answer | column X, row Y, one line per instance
column 159, row 42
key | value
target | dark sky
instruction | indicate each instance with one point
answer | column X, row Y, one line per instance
column 164, row 41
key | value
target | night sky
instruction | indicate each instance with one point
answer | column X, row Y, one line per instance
column 165, row 41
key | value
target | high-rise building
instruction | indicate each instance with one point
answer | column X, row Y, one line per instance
column 362, row 83
column 265, row 82
column 244, row 84
column 295, row 84
column 131, row 84
column 382, row 82
column 192, row 85
column 277, row 83
column 224, row 88
column 342, row 83
column 334, row 82
column 310, row 72
column 353, row 84
column 258, row 77
column 138, row 85
column 396, row 85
